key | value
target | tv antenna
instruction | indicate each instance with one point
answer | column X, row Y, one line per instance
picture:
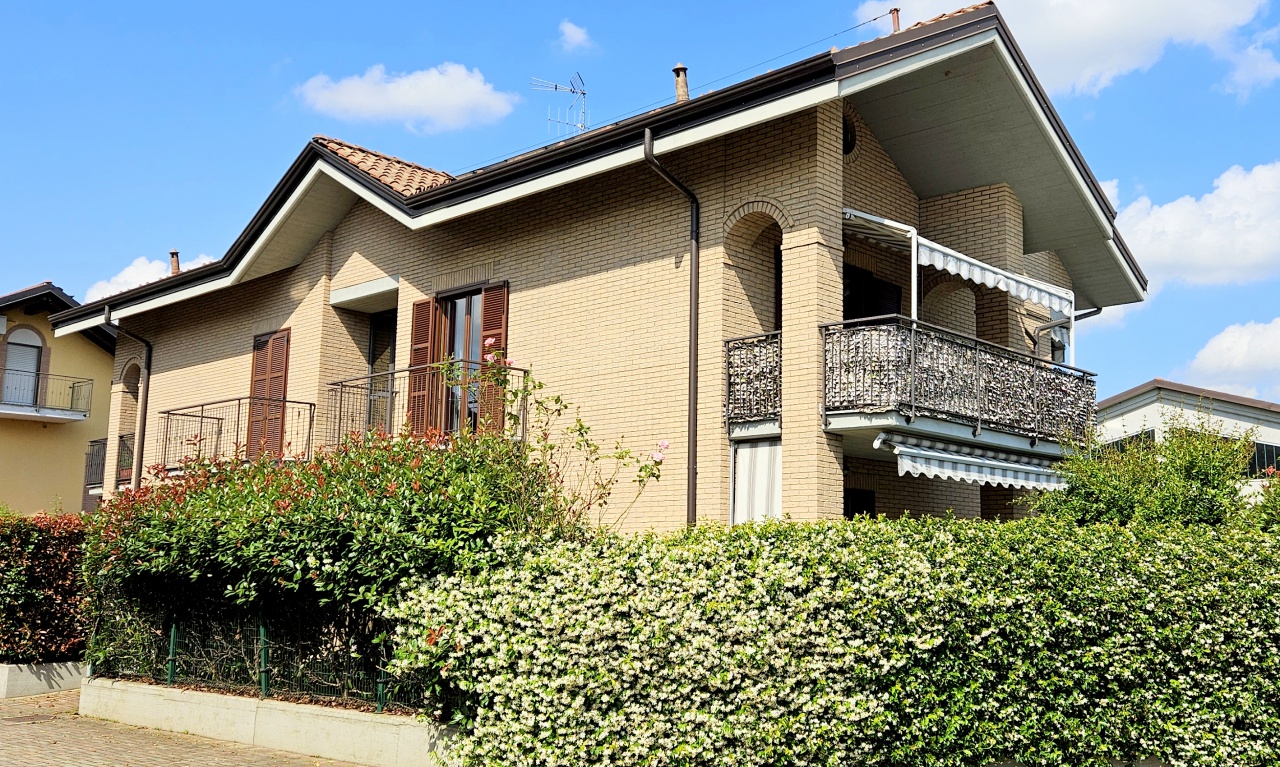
column 574, row 118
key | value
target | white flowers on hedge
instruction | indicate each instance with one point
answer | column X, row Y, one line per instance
column 940, row 643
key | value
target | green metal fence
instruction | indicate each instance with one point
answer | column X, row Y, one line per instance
column 295, row 656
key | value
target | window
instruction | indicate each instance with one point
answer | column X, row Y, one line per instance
column 1264, row 456
column 22, row 367
column 859, row 503
column 757, row 481
column 1124, row 443
column 866, row 295
column 461, row 315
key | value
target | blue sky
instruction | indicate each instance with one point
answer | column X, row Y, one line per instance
column 142, row 128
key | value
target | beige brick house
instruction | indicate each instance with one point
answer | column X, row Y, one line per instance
column 891, row 243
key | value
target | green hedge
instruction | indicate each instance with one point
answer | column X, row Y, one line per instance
column 865, row 643
column 40, row 597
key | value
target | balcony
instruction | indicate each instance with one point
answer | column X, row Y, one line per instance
column 753, row 379
column 892, row 364
column 245, row 427
column 442, row 396
column 916, row 371
column 44, row 397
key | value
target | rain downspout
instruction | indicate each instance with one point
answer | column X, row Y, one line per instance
column 692, row 503
column 144, row 389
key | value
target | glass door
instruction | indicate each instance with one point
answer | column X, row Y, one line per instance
column 462, row 316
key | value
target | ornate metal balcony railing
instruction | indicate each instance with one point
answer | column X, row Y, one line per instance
column 95, row 462
column 43, row 391
column 894, row 363
column 244, row 426
column 442, row 396
column 124, row 459
column 753, row 378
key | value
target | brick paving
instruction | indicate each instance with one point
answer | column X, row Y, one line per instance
column 53, row 735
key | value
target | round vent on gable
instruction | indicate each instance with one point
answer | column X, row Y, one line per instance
column 849, row 134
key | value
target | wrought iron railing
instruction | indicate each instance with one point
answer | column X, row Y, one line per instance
column 245, row 427
column 444, row 396
column 753, row 378
column 124, row 458
column 894, row 363
column 95, row 463
column 43, row 391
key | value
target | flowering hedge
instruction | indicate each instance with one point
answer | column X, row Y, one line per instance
column 40, row 602
column 867, row 643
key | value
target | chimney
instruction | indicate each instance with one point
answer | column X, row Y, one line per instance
column 897, row 24
column 682, row 82
column 173, row 262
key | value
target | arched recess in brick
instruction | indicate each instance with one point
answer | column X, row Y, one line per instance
column 952, row 304
column 125, row 412
column 753, row 261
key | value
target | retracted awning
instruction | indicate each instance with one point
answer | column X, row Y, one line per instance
column 943, row 460
column 898, row 236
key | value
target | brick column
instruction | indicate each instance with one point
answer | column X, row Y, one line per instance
column 713, row 437
column 812, row 460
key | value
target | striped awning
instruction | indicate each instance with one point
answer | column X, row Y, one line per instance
column 944, row 460
column 891, row 234
column 950, row 261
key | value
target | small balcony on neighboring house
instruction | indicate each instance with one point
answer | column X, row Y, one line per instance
column 443, row 397
column 942, row 403
column 35, row 396
column 95, row 469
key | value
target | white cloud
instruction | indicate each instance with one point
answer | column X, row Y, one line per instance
column 447, row 97
column 1254, row 65
column 1230, row 235
column 1083, row 45
column 574, row 37
column 140, row 272
column 1242, row 359
column 1112, row 190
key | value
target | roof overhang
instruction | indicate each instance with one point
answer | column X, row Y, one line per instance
column 1064, row 208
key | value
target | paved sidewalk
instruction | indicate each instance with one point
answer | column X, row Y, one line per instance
column 45, row 731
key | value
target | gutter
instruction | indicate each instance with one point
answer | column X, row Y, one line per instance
column 144, row 392
column 694, row 220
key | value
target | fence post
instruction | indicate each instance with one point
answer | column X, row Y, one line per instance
column 264, row 668
column 382, row 690
column 173, row 652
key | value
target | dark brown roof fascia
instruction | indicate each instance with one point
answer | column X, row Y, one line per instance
column 223, row 266
column 628, row 133
column 876, row 53
column 1194, row 391
column 104, row 337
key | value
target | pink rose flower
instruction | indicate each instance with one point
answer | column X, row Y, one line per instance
column 663, row 444
column 488, row 342
column 657, row 457
column 490, row 357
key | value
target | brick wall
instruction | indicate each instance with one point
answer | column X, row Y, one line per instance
column 918, row 495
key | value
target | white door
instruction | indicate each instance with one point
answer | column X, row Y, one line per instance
column 757, row 481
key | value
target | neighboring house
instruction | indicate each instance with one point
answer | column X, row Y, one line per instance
column 1144, row 412
column 54, row 403
column 884, row 234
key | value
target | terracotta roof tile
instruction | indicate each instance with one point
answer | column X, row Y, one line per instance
column 952, row 14
column 403, row 177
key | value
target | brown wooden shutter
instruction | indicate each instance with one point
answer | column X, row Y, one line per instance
column 493, row 325
column 424, row 388
column 267, row 391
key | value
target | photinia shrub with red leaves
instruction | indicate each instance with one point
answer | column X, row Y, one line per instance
column 41, row 619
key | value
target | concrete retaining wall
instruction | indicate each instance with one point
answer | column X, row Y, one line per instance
column 378, row 740
column 17, row 680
